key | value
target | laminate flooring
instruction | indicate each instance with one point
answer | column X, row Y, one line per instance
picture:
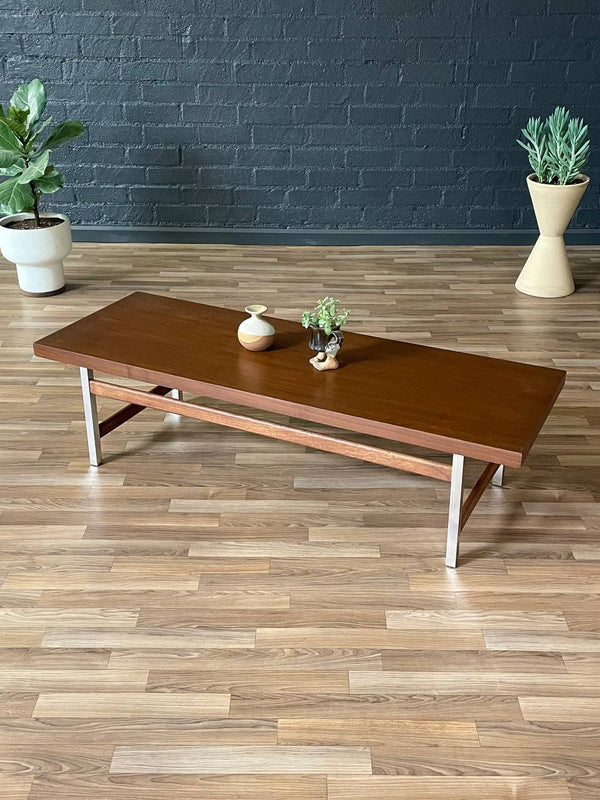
column 216, row 615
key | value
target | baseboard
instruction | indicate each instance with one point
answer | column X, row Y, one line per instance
column 299, row 236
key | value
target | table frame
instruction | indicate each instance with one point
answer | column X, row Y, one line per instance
column 459, row 509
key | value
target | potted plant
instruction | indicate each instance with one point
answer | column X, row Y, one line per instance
column 36, row 242
column 325, row 321
column 558, row 149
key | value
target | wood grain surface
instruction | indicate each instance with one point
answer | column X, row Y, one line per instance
column 215, row 615
column 490, row 409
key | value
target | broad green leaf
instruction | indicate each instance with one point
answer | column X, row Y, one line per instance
column 15, row 197
column 63, row 133
column 30, row 97
column 50, row 181
column 16, row 127
column 36, row 133
column 19, row 114
column 40, row 127
column 35, row 169
column 10, row 147
column 16, row 168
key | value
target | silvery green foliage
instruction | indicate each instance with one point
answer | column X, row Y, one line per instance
column 568, row 147
column 536, row 145
column 557, row 146
column 24, row 156
column 326, row 314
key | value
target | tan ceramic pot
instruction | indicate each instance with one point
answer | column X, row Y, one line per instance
column 547, row 272
column 255, row 333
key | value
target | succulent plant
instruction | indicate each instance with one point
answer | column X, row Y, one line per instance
column 326, row 315
column 557, row 147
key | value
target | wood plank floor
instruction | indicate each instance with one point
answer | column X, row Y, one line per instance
column 214, row 615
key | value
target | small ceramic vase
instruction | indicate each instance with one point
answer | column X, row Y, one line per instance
column 255, row 333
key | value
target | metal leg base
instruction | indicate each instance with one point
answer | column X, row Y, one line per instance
column 459, row 511
column 498, row 477
column 91, row 417
column 455, row 509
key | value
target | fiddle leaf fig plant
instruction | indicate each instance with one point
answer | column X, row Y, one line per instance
column 557, row 147
column 25, row 154
column 327, row 315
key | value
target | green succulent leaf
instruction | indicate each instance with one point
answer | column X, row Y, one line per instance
column 50, row 182
column 35, row 169
column 64, row 132
column 30, row 97
column 10, row 146
column 15, row 197
column 557, row 147
column 327, row 314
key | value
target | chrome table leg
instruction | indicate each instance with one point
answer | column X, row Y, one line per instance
column 91, row 417
column 177, row 394
column 455, row 509
column 498, row 476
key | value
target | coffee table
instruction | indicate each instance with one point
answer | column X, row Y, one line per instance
column 467, row 405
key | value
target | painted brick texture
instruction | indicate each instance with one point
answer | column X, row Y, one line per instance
column 334, row 114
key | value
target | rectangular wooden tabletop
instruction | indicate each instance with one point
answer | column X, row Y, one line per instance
column 475, row 406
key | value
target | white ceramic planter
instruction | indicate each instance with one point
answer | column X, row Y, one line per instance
column 547, row 272
column 37, row 254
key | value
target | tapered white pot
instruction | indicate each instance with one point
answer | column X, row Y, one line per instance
column 37, row 253
column 547, row 272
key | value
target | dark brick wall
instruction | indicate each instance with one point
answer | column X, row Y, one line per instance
column 305, row 113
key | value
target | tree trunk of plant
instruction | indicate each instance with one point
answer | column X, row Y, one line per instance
column 36, row 212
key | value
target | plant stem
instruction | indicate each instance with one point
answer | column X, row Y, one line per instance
column 36, row 212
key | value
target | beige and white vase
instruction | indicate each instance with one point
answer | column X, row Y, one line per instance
column 547, row 272
column 255, row 333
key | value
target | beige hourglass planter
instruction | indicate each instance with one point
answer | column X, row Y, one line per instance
column 547, row 272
